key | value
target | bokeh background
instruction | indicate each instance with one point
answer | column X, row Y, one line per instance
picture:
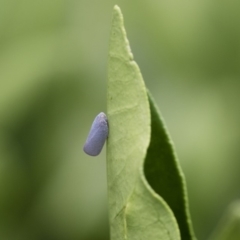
column 53, row 60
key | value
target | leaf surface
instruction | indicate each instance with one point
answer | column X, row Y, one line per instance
column 164, row 174
column 137, row 209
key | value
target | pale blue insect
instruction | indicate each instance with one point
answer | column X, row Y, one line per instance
column 97, row 135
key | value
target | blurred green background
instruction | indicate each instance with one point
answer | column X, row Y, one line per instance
column 53, row 60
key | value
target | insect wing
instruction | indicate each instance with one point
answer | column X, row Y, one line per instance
column 97, row 135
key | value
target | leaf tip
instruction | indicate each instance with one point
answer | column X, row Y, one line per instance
column 118, row 32
column 117, row 12
column 117, row 8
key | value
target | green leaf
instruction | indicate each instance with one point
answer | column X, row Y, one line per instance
column 139, row 209
column 164, row 174
column 229, row 226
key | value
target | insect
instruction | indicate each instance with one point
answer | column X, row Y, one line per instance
column 97, row 135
